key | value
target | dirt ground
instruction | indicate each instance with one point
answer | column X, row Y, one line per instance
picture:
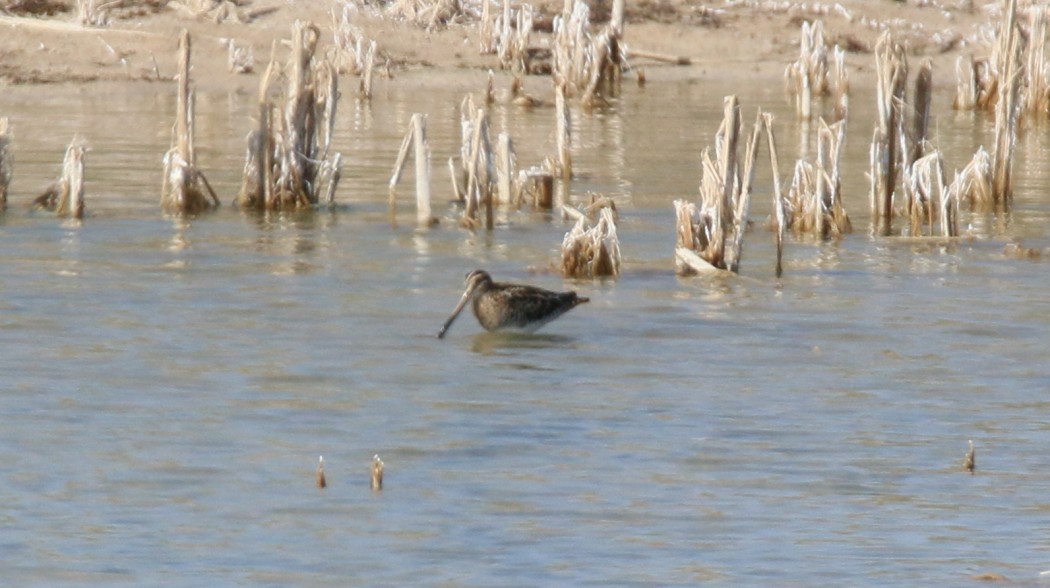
column 41, row 41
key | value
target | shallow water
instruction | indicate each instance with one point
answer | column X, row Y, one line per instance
column 168, row 385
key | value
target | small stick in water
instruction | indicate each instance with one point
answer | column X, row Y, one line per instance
column 971, row 459
column 377, row 473
column 321, row 482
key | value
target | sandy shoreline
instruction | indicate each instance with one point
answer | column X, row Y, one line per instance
column 742, row 39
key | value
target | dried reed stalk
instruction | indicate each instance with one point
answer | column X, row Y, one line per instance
column 563, row 133
column 184, row 186
column 742, row 200
column 779, row 205
column 923, row 100
column 966, row 83
column 1037, row 90
column 505, row 169
column 892, row 73
column 417, row 137
column 825, row 186
column 6, row 160
column 606, row 72
column 1007, row 109
column 592, row 252
column 840, row 85
column 365, row 87
column 488, row 38
column 616, row 18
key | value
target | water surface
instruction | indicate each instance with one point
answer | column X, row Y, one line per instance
column 168, row 384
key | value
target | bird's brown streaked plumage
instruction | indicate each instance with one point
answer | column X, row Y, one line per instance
column 500, row 306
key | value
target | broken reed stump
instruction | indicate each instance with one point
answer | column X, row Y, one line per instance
column 95, row 13
column 814, row 200
column 538, row 186
column 71, row 192
column 185, row 190
column 571, row 46
column 713, row 230
column 594, row 251
column 1018, row 57
column 66, row 195
column 427, row 14
column 586, row 65
column 507, row 35
column 813, row 75
column 352, row 52
column 970, row 461
column 377, row 473
column 478, row 165
column 973, row 184
column 6, row 160
column 1012, row 82
column 289, row 164
column 807, row 77
column 710, row 234
column 239, row 59
column 415, row 137
column 322, row 482
column 927, row 198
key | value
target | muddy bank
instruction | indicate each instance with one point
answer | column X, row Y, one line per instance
column 42, row 42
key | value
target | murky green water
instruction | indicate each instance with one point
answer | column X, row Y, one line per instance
column 168, row 385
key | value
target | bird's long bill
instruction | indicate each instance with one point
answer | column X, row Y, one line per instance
column 459, row 308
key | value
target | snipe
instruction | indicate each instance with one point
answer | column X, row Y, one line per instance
column 516, row 307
